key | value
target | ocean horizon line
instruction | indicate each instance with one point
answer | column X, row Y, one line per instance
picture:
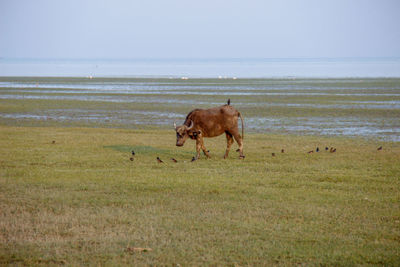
column 206, row 58
column 180, row 77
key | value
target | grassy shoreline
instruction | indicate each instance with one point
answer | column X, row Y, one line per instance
column 82, row 201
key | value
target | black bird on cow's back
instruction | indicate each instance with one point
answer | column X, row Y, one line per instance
column 159, row 160
column 229, row 101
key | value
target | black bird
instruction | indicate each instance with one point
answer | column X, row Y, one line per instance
column 379, row 148
column 193, row 159
column 133, row 153
column 273, row 154
column 229, row 101
column 159, row 160
column 282, row 150
column 326, row 148
column 317, row 150
column 131, row 158
column 53, row 142
column 174, row 160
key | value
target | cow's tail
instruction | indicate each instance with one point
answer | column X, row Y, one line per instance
column 241, row 118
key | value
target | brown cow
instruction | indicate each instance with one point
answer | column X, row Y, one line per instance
column 211, row 122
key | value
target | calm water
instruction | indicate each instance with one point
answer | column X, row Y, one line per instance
column 209, row 68
column 341, row 107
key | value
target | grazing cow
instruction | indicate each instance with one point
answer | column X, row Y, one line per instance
column 211, row 122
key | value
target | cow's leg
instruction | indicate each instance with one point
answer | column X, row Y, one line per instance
column 205, row 151
column 239, row 140
column 200, row 145
column 229, row 142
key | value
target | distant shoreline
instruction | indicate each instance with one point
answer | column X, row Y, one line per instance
column 183, row 78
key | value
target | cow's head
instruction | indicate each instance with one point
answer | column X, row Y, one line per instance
column 182, row 133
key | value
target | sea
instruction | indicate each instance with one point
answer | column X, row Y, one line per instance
column 204, row 68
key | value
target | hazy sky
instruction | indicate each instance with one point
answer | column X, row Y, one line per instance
column 199, row 29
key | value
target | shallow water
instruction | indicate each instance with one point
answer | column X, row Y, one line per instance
column 341, row 107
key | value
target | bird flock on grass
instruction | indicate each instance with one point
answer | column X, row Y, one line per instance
column 159, row 160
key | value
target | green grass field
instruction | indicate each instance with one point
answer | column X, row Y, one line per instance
column 82, row 201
